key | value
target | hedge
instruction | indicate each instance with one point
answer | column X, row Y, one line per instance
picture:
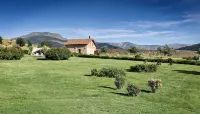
column 189, row 62
column 13, row 53
column 57, row 54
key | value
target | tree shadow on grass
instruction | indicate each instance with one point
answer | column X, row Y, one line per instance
column 126, row 94
column 121, row 94
column 187, row 72
column 41, row 59
column 108, row 87
column 87, row 75
column 145, row 91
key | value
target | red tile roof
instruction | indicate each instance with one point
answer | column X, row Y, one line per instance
column 79, row 41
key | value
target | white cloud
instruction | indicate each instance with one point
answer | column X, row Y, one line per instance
column 150, row 24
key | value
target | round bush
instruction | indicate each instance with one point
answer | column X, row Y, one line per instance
column 14, row 53
column 144, row 68
column 119, row 82
column 57, row 54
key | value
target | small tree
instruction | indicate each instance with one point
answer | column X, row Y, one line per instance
column 1, row 40
column 104, row 49
column 167, row 50
column 46, row 43
column 21, row 42
column 159, row 49
column 29, row 43
column 133, row 49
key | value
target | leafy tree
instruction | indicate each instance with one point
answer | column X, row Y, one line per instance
column 159, row 49
column 46, row 43
column 1, row 40
column 104, row 49
column 29, row 43
column 167, row 50
column 198, row 51
column 133, row 49
column 21, row 42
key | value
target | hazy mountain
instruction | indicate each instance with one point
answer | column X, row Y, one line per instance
column 194, row 47
column 37, row 37
column 127, row 45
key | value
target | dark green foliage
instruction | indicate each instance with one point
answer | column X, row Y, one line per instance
column 26, row 51
column 119, row 82
column 94, row 72
column 21, row 42
column 159, row 49
column 14, row 53
column 198, row 51
column 29, row 43
column 170, row 61
column 196, row 58
column 1, row 40
column 104, row 49
column 190, row 62
column 138, row 57
column 46, row 43
column 58, row 54
column 144, row 68
column 166, row 50
column 108, row 72
column 188, row 58
column 133, row 90
column 133, row 49
column 159, row 61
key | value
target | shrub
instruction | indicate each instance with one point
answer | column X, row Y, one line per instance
column 144, row 68
column 154, row 84
column 196, row 58
column 94, row 72
column 108, row 72
column 188, row 58
column 26, row 51
column 133, row 90
column 119, row 82
column 138, row 57
column 104, row 49
column 111, row 72
column 14, row 53
column 133, row 49
column 170, row 61
column 58, row 54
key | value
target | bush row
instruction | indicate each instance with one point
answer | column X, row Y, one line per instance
column 190, row 62
column 108, row 72
column 57, row 54
column 13, row 53
column 144, row 68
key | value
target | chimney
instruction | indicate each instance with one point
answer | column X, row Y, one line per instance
column 89, row 37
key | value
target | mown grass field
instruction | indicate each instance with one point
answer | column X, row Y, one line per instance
column 31, row 86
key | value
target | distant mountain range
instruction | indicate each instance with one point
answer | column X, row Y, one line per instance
column 58, row 41
column 194, row 47
column 127, row 45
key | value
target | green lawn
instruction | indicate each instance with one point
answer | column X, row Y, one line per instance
column 31, row 86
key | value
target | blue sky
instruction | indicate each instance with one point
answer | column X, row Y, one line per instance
column 136, row 21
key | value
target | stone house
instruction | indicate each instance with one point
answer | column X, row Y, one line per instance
column 83, row 46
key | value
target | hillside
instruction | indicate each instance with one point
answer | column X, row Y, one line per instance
column 194, row 47
column 37, row 37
